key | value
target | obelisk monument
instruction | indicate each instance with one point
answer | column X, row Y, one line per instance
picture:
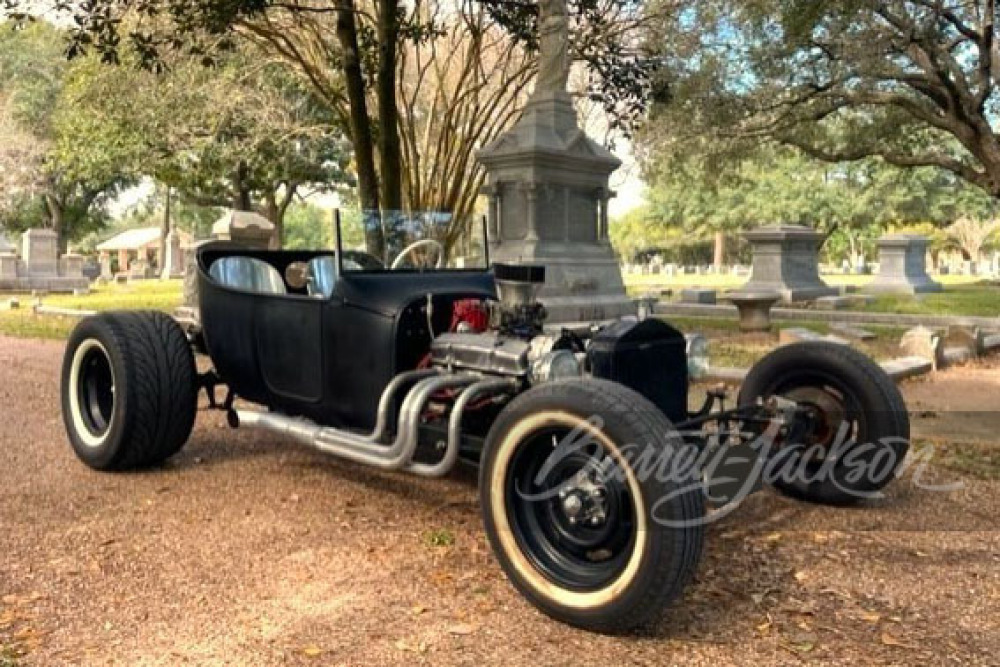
column 547, row 184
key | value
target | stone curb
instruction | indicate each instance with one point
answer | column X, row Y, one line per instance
column 844, row 316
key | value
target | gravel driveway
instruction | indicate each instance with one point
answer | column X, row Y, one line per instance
column 245, row 550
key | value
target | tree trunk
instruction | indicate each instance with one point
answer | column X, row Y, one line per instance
column 242, row 201
column 280, row 210
column 57, row 221
column 720, row 250
column 358, row 123
column 164, row 231
column 390, row 152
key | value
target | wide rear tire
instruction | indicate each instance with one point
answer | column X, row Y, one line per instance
column 604, row 552
column 864, row 427
column 129, row 389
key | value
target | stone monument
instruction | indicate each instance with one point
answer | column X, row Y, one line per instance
column 547, row 184
column 903, row 266
column 8, row 259
column 40, row 252
column 173, row 264
column 786, row 261
column 243, row 227
column 39, row 267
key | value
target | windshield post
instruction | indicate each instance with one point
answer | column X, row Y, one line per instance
column 338, row 242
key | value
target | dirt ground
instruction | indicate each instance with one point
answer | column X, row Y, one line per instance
column 245, row 550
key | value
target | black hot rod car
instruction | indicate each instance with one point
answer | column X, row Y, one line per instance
column 594, row 475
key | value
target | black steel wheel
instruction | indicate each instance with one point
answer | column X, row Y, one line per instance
column 855, row 428
column 584, row 535
column 129, row 391
column 575, row 523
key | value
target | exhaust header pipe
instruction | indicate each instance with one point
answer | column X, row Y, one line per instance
column 368, row 448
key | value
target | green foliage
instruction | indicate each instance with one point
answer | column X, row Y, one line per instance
column 913, row 83
column 852, row 202
column 70, row 199
column 239, row 130
column 308, row 227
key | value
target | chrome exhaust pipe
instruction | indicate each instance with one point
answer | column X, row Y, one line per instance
column 450, row 457
column 358, row 447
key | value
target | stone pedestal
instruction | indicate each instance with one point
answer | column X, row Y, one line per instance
column 106, row 271
column 8, row 266
column 547, row 184
column 71, row 266
column 244, row 227
column 173, row 262
column 786, row 261
column 903, row 266
column 40, row 251
column 40, row 267
column 754, row 308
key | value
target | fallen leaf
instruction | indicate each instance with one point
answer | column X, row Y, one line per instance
column 801, row 576
column 312, row 651
column 871, row 616
column 890, row 640
column 418, row 609
column 462, row 629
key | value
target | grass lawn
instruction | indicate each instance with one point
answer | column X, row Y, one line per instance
column 641, row 284
column 963, row 295
column 729, row 347
column 982, row 300
column 149, row 294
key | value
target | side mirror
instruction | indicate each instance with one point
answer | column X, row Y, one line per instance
column 297, row 275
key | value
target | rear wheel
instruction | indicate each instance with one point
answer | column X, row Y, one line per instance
column 129, row 392
column 583, row 533
column 857, row 431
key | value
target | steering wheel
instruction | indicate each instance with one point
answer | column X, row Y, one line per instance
column 425, row 243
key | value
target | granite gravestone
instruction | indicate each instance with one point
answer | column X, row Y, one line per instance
column 786, row 261
column 40, row 252
column 547, row 184
column 40, row 267
column 173, row 265
column 903, row 266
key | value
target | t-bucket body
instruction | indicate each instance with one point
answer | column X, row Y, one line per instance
column 325, row 357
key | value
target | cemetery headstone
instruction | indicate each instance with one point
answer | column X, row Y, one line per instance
column 702, row 296
column 925, row 343
column 173, row 266
column 40, row 252
column 785, row 260
column 903, row 265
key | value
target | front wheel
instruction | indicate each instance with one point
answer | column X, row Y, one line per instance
column 129, row 391
column 583, row 507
